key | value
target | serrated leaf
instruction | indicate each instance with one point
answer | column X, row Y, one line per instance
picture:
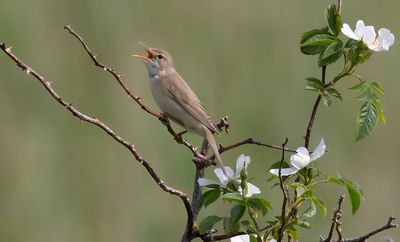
column 311, row 211
column 208, row 223
column 332, row 53
column 327, row 99
column 334, row 92
column 230, row 227
column 358, row 87
column 209, row 197
column 233, row 197
column 300, row 188
column 237, row 213
column 314, row 84
column 367, row 119
column 333, row 19
column 377, row 87
column 259, row 204
column 377, row 103
column 316, row 44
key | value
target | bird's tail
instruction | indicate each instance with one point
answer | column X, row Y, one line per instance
column 211, row 140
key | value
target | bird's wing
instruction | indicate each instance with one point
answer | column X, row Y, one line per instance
column 188, row 100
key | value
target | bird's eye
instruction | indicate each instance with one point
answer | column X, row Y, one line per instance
column 160, row 57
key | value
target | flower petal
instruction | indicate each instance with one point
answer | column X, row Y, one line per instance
column 369, row 35
column 242, row 162
column 360, row 28
column 241, row 238
column 205, row 182
column 301, row 159
column 346, row 30
column 319, row 151
column 285, row 171
column 252, row 189
column 222, row 177
column 386, row 37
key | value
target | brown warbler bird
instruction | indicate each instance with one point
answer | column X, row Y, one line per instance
column 176, row 99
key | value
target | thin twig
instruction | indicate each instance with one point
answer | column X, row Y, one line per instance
column 389, row 225
column 95, row 121
column 335, row 219
column 252, row 141
column 339, row 6
column 285, row 195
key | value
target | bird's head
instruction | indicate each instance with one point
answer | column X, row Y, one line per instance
column 157, row 60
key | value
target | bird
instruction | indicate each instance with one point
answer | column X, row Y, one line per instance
column 176, row 99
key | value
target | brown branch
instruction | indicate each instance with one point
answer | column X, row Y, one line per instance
column 252, row 141
column 118, row 77
column 388, row 225
column 335, row 220
column 95, row 121
column 285, row 195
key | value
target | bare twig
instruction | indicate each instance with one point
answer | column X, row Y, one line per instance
column 339, row 6
column 335, row 219
column 251, row 141
column 285, row 195
column 389, row 225
column 95, row 121
column 118, row 77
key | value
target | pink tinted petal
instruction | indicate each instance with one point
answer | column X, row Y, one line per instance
column 359, row 31
column 369, row 35
column 346, row 30
column 319, row 151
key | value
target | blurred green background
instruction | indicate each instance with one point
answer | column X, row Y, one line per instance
column 64, row 180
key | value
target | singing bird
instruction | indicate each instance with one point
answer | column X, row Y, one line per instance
column 176, row 99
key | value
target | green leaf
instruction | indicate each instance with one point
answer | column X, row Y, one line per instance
column 359, row 87
column 367, row 119
column 327, row 99
column 359, row 53
column 320, row 204
column 233, row 197
column 355, row 193
column 334, row 92
column 300, row 188
column 253, row 238
column 304, row 224
column 209, row 197
column 354, row 190
column 293, row 234
column 377, row 87
column 259, row 204
column 314, row 84
column 307, row 35
column 332, row 53
column 378, row 106
column 230, row 227
column 208, row 223
column 316, row 44
column 333, row 19
column 237, row 213
column 311, row 211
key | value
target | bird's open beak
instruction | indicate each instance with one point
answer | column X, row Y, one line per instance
column 149, row 56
